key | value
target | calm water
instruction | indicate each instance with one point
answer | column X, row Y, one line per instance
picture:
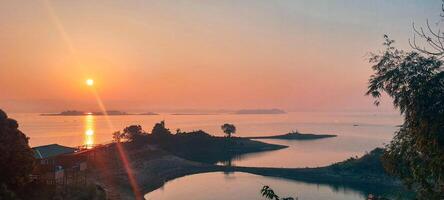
column 357, row 133
column 220, row 186
column 372, row 131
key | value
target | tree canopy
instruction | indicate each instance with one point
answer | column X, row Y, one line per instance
column 269, row 193
column 159, row 129
column 132, row 133
column 16, row 157
column 415, row 82
column 228, row 129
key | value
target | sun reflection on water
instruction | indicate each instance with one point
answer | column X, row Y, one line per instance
column 89, row 131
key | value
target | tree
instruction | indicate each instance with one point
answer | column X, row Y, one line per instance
column 16, row 157
column 431, row 41
column 159, row 129
column 132, row 133
column 415, row 82
column 268, row 193
column 228, row 129
column 117, row 136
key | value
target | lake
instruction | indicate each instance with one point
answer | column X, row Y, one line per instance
column 358, row 132
column 243, row 186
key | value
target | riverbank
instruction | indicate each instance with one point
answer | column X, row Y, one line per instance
column 153, row 159
column 152, row 167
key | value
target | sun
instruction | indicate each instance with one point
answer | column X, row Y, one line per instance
column 90, row 82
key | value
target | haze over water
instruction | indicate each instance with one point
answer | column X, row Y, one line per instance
column 357, row 132
column 307, row 57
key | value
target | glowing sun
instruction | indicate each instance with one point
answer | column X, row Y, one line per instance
column 89, row 82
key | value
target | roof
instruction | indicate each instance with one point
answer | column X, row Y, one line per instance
column 51, row 150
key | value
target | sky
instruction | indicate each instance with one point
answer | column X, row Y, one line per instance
column 203, row 55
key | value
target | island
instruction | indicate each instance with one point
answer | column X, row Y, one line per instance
column 259, row 111
column 193, row 114
column 98, row 113
column 66, row 113
column 295, row 135
column 148, row 113
column 110, row 112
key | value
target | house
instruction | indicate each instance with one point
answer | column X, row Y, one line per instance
column 59, row 164
column 47, row 154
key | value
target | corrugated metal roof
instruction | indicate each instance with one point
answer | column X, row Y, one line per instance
column 51, row 150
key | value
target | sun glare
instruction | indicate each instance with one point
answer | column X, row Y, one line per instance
column 89, row 132
column 90, row 82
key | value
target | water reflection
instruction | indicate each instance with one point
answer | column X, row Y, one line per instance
column 89, row 132
column 239, row 185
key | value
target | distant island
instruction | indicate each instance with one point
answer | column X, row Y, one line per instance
column 65, row 113
column 295, row 135
column 81, row 113
column 109, row 112
column 259, row 111
column 148, row 113
column 193, row 114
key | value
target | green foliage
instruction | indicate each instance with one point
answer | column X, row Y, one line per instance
column 370, row 163
column 416, row 85
column 16, row 157
column 268, row 193
column 228, row 129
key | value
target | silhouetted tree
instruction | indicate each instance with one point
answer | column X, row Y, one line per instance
column 429, row 40
column 268, row 193
column 132, row 133
column 16, row 157
column 416, row 85
column 117, row 136
column 228, row 129
column 160, row 130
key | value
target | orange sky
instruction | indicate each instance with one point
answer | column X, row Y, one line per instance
column 157, row 55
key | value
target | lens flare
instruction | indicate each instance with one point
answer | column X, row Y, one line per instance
column 122, row 154
column 90, row 82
